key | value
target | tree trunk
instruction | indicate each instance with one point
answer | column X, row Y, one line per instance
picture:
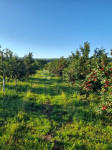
column 3, row 84
column 45, row 89
column 15, row 81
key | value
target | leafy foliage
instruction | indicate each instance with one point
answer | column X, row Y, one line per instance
column 29, row 65
column 13, row 67
column 57, row 66
column 94, row 73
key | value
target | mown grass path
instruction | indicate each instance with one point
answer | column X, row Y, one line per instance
column 48, row 113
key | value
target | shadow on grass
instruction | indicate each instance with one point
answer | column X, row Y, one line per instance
column 52, row 89
column 60, row 113
column 48, row 90
column 47, row 81
column 10, row 105
column 18, row 88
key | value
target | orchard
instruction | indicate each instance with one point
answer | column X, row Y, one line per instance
column 100, row 81
column 92, row 74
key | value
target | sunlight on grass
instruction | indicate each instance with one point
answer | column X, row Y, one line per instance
column 49, row 113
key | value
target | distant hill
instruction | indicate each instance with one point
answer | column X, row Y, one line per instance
column 52, row 59
column 46, row 59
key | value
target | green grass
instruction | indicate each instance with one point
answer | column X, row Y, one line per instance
column 49, row 114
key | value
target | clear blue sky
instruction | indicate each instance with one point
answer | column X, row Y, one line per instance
column 54, row 28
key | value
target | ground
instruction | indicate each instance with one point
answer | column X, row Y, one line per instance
column 46, row 112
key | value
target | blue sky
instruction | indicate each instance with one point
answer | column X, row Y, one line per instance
column 54, row 28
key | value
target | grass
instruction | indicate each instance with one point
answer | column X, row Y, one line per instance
column 49, row 114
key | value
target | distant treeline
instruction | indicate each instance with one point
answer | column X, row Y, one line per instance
column 42, row 62
column 109, row 59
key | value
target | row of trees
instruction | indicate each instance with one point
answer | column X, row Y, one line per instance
column 94, row 73
column 79, row 64
column 40, row 63
column 57, row 66
column 11, row 66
